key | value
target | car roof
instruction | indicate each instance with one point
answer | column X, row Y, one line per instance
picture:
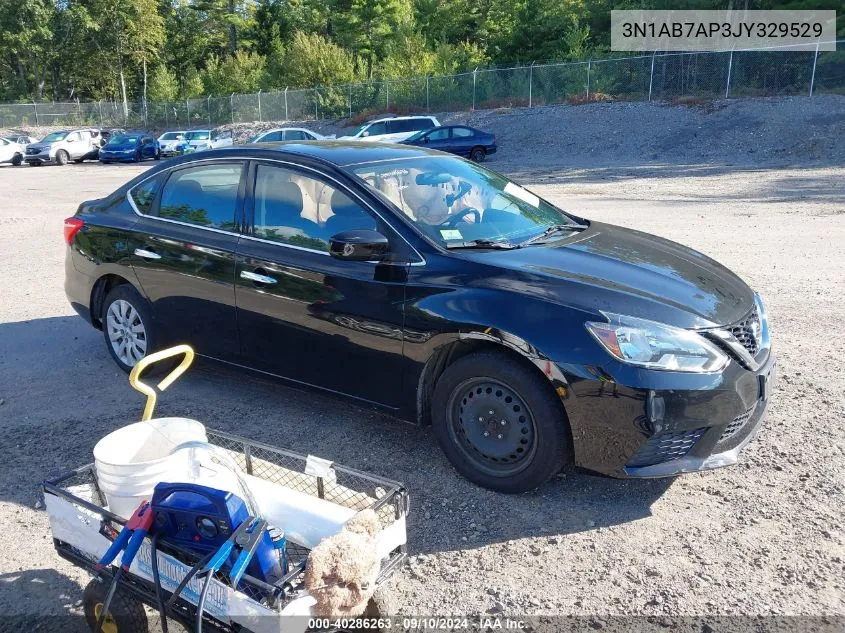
column 403, row 118
column 336, row 152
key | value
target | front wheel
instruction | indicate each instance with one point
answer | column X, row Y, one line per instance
column 137, row 157
column 500, row 423
column 157, row 156
column 478, row 154
column 125, row 614
column 62, row 157
column 128, row 326
column 17, row 159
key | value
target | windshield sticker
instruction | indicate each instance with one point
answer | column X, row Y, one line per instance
column 451, row 234
column 526, row 196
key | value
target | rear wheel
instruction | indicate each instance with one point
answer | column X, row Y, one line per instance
column 17, row 159
column 478, row 154
column 62, row 157
column 128, row 326
column 158, row 155
column 499, row 423
column 125, row 614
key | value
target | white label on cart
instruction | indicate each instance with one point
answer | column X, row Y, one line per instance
column 171, row 572
column 319, row 467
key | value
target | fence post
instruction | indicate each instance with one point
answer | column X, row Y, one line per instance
column 35, row 107
column 188, row 111
column 589, row 68
column 166, row 123
column 316, row 101
column 208, row 108
column 387, row 88
column 232, row 105
column 100, row 111
column 286, row 104
column 651, row 79
column 530, row 83
column 350, row 101
column 730, row 69
column 474, row 73
column 427, row 109
column 259, row 106
column 815, row 61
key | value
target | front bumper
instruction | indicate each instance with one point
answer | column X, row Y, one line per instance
column 44, row 159
column 682, row 424
column 116, row 157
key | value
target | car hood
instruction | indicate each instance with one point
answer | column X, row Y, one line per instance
column 614, row 269
column 42, row 146
column 118, row 148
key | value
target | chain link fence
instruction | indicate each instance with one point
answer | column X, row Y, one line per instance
column 655, row 77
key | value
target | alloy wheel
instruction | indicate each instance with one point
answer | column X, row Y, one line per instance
column 126, row 331
column 492, row 426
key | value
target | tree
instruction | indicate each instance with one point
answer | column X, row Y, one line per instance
column 312, row 59
column 368, row 27
column 25, row 40
column 163, row 85
column 243, row 72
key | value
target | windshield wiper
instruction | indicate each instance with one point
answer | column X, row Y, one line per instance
column 486, row 244
column 554, row 228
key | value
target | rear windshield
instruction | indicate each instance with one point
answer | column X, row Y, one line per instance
column 170, row 136
column 199, row 135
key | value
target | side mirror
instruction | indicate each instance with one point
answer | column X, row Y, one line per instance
column 360, row 245
column 426, row 140
column 365, row 133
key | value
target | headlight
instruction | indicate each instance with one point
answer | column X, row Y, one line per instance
column 656, row 346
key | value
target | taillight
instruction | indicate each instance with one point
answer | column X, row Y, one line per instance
column 72, row 226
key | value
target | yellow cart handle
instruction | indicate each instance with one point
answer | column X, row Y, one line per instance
column 147, row 390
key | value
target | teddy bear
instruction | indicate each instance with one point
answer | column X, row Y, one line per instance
column 341, row 570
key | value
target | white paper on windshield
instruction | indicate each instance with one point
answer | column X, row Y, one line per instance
column 524, row 195
column 451, row 234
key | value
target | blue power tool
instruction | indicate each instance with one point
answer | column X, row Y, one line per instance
column 204, row 521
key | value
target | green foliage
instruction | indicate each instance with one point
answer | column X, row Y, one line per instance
column 243, row 72
column 98, row 49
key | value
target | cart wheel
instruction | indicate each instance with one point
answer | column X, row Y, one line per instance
column 379, row 607
column 126, row 615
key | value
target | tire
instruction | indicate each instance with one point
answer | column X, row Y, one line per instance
column 62, row 157
column 17, row 159
column 105, row 162
column 477, row 155
column 487, row 392
column 78, row 160
column 116, row 323
column 125, row 615
column 157, row 156
column 137, row 157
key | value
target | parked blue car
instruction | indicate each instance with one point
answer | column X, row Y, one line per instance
column 456, row 139
column 130, row 147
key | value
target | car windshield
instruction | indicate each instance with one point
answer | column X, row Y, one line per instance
column 54, row 136
column 357, row 131
column 122, row 140
column 170, row 136
column 455, row 202
column 418, row 135
column 200, row 135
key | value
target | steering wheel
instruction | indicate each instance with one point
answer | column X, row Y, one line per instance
column 453, row 220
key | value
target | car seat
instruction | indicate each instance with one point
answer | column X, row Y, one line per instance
column 348, row 216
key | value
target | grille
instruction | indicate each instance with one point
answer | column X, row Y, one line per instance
column 747, row 331
column 32, row 150
column 737, row 423
column 665, row 447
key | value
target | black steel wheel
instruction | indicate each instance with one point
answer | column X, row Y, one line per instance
column 478, row 154
column 137, row 157
column 499, row 422
column 17, row 159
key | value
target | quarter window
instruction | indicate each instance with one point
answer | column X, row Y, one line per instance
column 144, row 194
column 301, row 210
column 205, row 196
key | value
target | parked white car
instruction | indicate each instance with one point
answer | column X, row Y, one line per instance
column 170, row 141
column 64, row 146
column 286, row 134
column 199, row 140
column 11, row 151
column 392, row 129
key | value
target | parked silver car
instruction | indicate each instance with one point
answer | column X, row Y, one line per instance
column 64, row 146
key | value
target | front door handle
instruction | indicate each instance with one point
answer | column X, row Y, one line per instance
column 257, row 277
column 140, row 252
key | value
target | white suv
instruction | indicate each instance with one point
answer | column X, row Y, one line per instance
column 393, row 129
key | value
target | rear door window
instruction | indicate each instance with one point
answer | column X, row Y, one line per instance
column 205, row 196
column 270, row 137
column 295, row 135
column 144, row 194
column 462, row 132
column 377, row 129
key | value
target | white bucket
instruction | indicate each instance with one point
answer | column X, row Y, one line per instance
column 132, row 460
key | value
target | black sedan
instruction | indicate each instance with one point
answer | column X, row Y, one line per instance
column 532, row 339
column 456, row 139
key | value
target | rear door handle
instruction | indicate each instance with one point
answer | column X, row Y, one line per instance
column 140, row 252
column 257, row 278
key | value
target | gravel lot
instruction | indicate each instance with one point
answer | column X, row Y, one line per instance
column 766, row 537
